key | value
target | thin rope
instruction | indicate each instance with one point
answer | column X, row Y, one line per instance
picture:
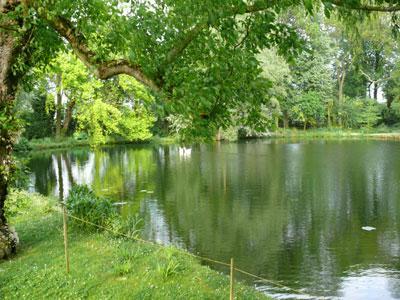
column 189, row 254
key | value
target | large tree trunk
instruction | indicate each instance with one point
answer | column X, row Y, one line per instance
column 329, row 108
column 68, row 117
column 9, row 49
column 341, row 80
column 389, row 101
column 376, row 89
column 58, row 106
column 285, row 120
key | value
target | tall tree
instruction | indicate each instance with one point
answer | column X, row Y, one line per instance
column 173, row 47
column 377, row 52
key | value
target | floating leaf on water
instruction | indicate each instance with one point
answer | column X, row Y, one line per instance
column 368, row 228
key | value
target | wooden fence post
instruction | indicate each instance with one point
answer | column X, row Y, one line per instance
column 232, row 296
column 66, row 237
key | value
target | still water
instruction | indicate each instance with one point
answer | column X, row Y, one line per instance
column 288, row 211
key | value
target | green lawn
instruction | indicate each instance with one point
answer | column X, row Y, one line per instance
column 102, row 266
column 374, row 133
column 70, row 142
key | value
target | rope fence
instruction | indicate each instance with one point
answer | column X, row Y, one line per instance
column 230, row 265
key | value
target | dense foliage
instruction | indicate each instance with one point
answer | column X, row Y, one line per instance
column 199, row 60
column 252, row 72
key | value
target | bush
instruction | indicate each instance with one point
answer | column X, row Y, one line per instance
column 17, row 202
column 360, row 113
column 309, row 109
column 20, row 202
column 391, row 116
column 80, row 136
column 23, row 145
column 84, row 204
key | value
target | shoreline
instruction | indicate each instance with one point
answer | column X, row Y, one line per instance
column 66, row 143
column 102, row 266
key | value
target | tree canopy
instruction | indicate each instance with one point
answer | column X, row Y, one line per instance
column 194, row 54
column 200, row 59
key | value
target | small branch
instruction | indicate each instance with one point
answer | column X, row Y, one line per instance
column 244, row 38
column 366, row 76
column 374, row 81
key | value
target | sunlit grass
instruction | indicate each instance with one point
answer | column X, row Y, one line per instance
column 102, row 266
column 338, row 133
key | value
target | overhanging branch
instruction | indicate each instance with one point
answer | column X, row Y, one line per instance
column 102, row 69
column 181, row 45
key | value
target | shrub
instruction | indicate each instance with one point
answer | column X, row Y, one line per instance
column 23, row 145
column 21, row 202
column 84, row 204
column 17, row 202
column 360, row 113
column 309, row 109
column 391, row 116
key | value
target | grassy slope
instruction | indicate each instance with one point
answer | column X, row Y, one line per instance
column 375, row 133
column 102, row 267
column 68, row 142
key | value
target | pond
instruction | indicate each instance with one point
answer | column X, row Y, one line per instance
column 292, row 212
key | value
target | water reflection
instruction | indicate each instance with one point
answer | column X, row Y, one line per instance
column 291, row 212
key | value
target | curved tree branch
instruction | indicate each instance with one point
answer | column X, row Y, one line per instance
column 107, row 69
column 102, row 69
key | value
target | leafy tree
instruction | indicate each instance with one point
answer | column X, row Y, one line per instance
column 370, row 114
column 392, row 86
column 391, row 115
column 40, row 120
column 360, row 113
column 277, row 71
column 309, row 109
column 377, row 54
column 69, row 76
column 197, row 53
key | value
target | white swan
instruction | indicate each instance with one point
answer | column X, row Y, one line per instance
column 185, row 152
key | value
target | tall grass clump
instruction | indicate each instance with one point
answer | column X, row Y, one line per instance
column 83, row 203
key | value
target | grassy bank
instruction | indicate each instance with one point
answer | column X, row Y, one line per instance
column 102, row 266
column 69, row 142
column 375, row 133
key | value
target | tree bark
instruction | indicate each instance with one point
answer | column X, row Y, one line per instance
column 285, row 120
column 9, row 49
column 376, row 87
column 377, row 63
column 58, row 105
column 389, row 101
column 341, row 80
column 68, row 117
column 329, row 115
